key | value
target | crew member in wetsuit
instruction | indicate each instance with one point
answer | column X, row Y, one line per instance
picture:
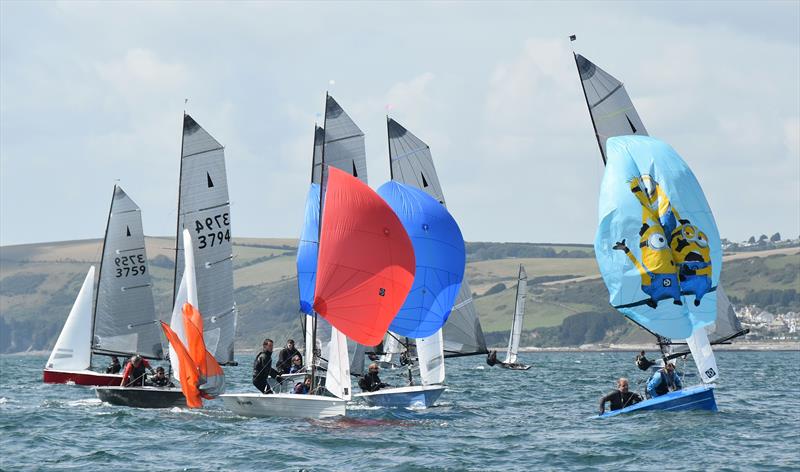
column 302, row 388
column 160, row 379
column 285, row 357
column 620, row 398
column 134, row 374
column 491, row 358
column 370, row 382
column 663, row 381
column 114, row 367
column 642, row 362
column 262, row 367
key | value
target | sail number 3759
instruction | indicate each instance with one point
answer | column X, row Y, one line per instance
column 129, row 265
column 213, row 231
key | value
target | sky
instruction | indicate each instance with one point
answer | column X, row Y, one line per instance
column 92, row 94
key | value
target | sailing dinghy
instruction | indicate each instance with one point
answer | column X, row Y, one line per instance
column 440, row 258
column 612, row 114
column 363, row 272
column 122, row 321
column 510, row 361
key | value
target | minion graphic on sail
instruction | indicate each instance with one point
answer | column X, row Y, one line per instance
column 675, row 254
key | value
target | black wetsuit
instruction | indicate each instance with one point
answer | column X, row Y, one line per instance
column 491, row 359
column 161, row 382
column 262, row 369
column 619, row 400
column 114, row 368
column 643, row 363
column 371, row 383
column 285, row 359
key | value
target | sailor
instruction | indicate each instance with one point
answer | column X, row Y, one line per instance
column 297, row 364
column 302, row 388
column 643, row 363
column 491, row 358
column 262, row 367
column 114, row 367
column 620, row 398
column 663, row 381
column 134, row 374
column 285, row 357
column 370, row 382
column 160, row 379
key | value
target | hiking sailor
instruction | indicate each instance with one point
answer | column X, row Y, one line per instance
column 663, row 381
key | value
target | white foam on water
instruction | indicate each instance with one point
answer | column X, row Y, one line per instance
column 3, row 400
column 85, row 402
column 480, row 367
column 361, row 406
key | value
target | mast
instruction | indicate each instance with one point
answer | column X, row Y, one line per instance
column 319, row 237
column 100, row 273
column 389, row 145
column 175, row 280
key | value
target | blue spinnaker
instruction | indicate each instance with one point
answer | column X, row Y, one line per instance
column 440, row 257
column 307, row 251
column 657, row 244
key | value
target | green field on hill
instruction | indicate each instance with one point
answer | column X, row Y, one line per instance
column 39, row 282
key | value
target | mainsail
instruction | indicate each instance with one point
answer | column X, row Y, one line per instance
column 519, row 314
column 610, row 107
column 204, row 209
column 412, row 164
column 125, row 320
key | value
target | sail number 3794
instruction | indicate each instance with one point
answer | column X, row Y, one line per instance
column 213, row 231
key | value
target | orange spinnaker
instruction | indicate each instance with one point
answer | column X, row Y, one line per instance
column 212, row 378
column 189, row 375
column 366, row 263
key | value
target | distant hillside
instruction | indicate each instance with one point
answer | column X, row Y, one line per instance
column 567, row 302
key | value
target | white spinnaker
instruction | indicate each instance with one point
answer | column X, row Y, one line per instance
column 430, row 352
column 187, row 293
column 337, row 379
column 73, row 349
column 519, row 314
column 703, row 355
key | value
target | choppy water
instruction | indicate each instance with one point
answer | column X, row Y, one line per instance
column 488, row 419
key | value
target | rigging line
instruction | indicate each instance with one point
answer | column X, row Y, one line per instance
column 203, row 152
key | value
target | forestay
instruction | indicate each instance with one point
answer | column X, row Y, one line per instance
column 412, row 164
column 204, row 209
column 519, row 314
column 657, row 244
column 610, row 107
column 125, row 320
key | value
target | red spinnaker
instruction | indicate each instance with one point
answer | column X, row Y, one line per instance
column 189, row 375
column 366, row 261
column 212, row 378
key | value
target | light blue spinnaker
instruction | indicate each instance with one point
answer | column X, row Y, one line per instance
column 440, row 254
column 307, row 251
column 657, row 244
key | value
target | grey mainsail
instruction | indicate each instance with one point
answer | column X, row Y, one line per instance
column 204, row 209
column 519, row 314
column 125, row 319
column 412, row 164
column 344, row 142
column 727, row 325
column 610, row 107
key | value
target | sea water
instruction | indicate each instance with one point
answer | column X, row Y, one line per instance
column 488, row 419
